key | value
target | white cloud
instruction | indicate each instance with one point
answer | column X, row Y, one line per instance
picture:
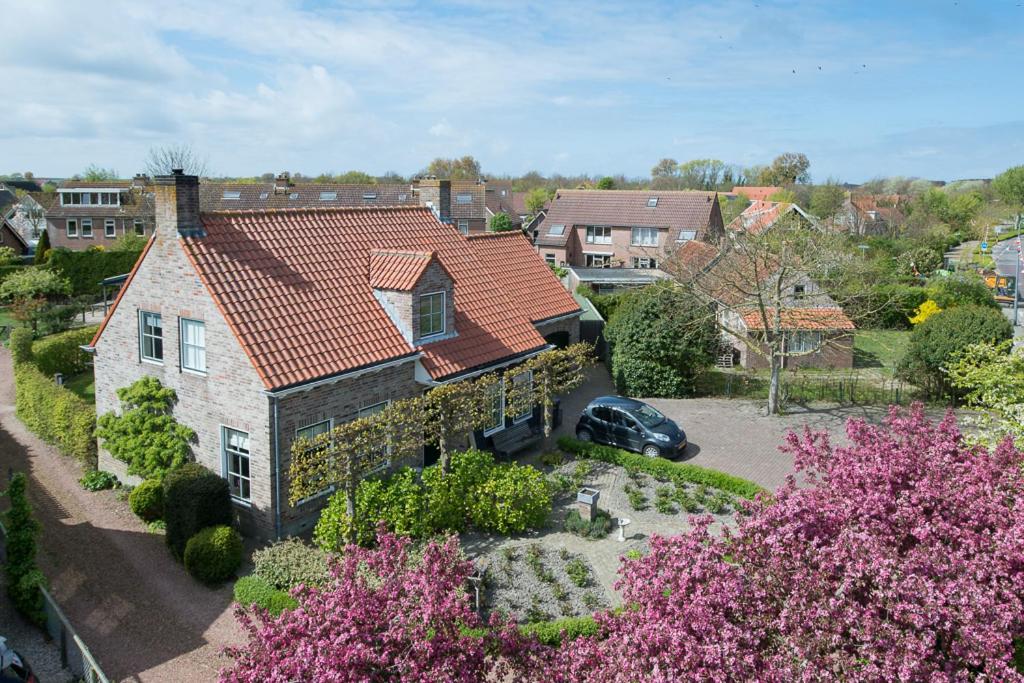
column 441, row 129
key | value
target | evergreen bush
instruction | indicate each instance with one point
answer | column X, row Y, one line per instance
column 253, row 590
column 213, row 554
column 286, row 564
column 147, row 500
column 194, row 498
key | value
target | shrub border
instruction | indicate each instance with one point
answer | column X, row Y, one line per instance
column 677, row 472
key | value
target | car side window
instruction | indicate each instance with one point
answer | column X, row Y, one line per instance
column 624, row 420
column 602, row 413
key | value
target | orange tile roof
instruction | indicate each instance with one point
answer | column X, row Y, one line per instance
column 397, row 269
column 691, row 259
column 755, row 192
column 757, row 217
column 294, row 285
column 802, row 319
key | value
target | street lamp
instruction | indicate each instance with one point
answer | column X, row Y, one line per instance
column 1016, row 278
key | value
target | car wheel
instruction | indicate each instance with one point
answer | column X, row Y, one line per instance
column 585, row 435
column 651, row 451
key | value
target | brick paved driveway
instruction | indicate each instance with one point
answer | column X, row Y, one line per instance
column 730, row 435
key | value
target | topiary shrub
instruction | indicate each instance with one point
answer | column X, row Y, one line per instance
column 938, row 341
column 213, row 554
column 147, row 500
column 287, row 564
column 194, row 498
column 21, row 345
column 62, row 353
column 253, row 590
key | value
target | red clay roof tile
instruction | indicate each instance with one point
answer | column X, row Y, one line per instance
column 802, row 319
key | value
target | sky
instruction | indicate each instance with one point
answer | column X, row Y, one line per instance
column 865, row 89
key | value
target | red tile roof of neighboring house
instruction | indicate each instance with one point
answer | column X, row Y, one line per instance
column 888, row 207
column 397, row 269
column 674, row 211
column 801, row 319
column 756, row 192
column 690, row 259
column 756, row 217
column 294, row 285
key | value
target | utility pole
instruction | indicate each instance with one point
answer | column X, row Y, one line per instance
column 1016, row 278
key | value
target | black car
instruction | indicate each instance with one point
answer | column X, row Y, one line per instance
column 630, row 424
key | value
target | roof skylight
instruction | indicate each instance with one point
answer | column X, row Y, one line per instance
column 557, row 230
column 652, row 202
column 328, row 196
column 232, row 194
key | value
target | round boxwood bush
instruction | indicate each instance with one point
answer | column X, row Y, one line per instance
column 147, row 500
column 252, row 590
column 213, row 554
column 194, row 498
column 511, row 500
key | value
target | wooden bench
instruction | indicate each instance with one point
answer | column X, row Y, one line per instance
column 516, row 438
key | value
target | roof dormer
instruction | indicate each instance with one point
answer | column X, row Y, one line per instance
column 417, row 293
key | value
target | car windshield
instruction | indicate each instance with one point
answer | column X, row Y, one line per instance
column 648, row 416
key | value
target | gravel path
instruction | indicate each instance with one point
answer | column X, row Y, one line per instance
column 138, row 611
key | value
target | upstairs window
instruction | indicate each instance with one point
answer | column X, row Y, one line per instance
column 464, row 226
column 644, row 262
column 464, row 198
column 645, row 237
column 431, row 314
column 369, row 196
column 598, row 234
column 264, row 195
column 652, row 202
column 232, row 194
column 140, row 227
column 193, row 345
column 557, row 230
column 597, row 260
column 402, row 197
column 151, row 337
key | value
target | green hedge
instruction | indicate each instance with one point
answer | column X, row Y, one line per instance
column 194, row 498
column 61, row 353
column 252, row 590
column 286, row 564
column 659, row 468
column 55, row 414
column 214, row 554
column 85, row 269
column 552, row 633
column 5, row 271
column 21, row 344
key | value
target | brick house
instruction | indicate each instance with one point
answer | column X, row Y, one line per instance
column 499, row 198
column 281, row 323
column 868, row 214
column 625, row 228
column 467, row 205
column 27, row 216
column 90, row 213
column 755, row 193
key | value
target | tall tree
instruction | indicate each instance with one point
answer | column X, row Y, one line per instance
column 96, row 173
column 606, row 183
column 1009, row 185
column 827, row 199
column 537, row 198
column 162, row 160
column 701, row 174
column 502, row 222
column 787, row 169
column 464, row 168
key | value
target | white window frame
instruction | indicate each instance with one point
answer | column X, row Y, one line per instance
column 226, row 453
column 797, row 341
column 682, row 237
column 86, row 223
column 519, row 419
column 71, row 228
column 331, row 488
column 109, row 228
column 549, row 259
column 463, row 224
column 464, row 198
column 557, row 230
column 644, row 237
column 494, row 429
column 444, row 312
column 644, row 262
column 143, row 335
column 599, row 234
column 606, row 258
column 140, row 227
column 373, row 409
column 182, row 344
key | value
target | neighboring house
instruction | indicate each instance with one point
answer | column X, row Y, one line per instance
column 625, row 228
column 90, row 213
column 27, row 216
column 755, row 193
column 10, row 237
column 271, row 325
column 466, row 204
column 810, row 319
column 871, row 214
column 285, row 194
column 499, row 198
column 762, row 215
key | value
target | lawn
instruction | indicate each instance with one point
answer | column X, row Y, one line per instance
column 83, row 384
column 879, row 348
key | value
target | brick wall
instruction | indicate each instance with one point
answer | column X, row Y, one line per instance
column 570, row 326
column 836, row 352
column 56, row 226
column 622, row 248
column 228, row 395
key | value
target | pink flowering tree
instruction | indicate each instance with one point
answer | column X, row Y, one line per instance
column 388, row 616
column 900, row 558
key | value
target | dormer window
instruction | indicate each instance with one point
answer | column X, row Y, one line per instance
column 464, row 198
column 431, row 314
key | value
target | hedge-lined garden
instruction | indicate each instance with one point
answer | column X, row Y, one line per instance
column 85, row 269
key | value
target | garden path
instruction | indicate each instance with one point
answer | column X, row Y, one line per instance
column 142, row 616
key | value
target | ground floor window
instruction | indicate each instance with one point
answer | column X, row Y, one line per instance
column 497, row 400
column 311, row 432
column 235, row 445
column 109, row 228
column 597, row 260
column 644, row 262
column 804, row 342
column 523, row 381
column 383, row 456
column 549, row 259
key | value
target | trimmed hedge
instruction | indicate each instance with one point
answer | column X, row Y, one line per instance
column 286, row 564
column 194, row 498
column 213, row 554
column 21, row 345
column 85, row 269
column 55, row 414
column 252, row 590
column 659, row 468
column 61, row 353
column 553, row 633
column 147, row 500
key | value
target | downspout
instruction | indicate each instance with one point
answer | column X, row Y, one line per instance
column 277, row 471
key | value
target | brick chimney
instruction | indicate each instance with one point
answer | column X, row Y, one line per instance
column 445, row 200
column 282, row 182
column 176, row 199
